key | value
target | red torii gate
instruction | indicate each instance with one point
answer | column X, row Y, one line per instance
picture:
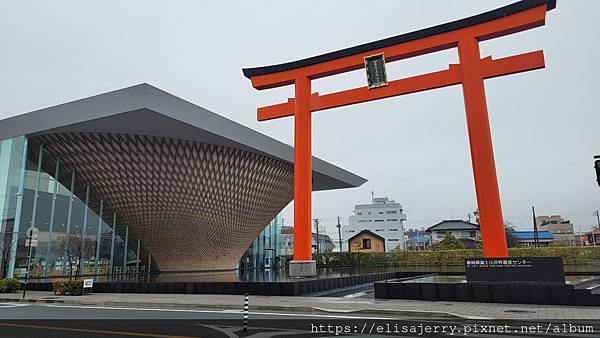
column 465, row 34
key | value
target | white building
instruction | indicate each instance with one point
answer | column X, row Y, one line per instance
column 382, row 217
column 287, row 242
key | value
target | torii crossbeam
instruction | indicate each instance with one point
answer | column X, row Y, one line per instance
column 464, row 34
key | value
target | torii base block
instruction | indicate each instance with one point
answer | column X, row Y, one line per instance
column 303, row 269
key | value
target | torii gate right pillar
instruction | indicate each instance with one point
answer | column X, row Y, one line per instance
column 482, row 153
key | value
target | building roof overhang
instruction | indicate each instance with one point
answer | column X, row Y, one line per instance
column 146, row 110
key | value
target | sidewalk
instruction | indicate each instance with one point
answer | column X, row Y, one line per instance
column 318, row 305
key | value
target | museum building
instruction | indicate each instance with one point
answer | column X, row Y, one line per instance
column 138, row 178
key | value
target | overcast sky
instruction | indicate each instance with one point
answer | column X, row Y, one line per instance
column 413, row 149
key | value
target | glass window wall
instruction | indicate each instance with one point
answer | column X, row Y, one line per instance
column 263, row 253
column 75, row 223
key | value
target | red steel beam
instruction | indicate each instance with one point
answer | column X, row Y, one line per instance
column 451, row 76
column 528, row 19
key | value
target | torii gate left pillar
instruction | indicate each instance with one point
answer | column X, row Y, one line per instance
column 471, row 71
column 302, row 264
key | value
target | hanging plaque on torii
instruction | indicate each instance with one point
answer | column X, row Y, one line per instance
column 465, row 35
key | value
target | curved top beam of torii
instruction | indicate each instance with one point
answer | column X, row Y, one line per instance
column 259, row 81
column 465, row 35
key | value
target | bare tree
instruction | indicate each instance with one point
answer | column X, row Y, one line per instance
column 6, row 247
column 476, row 214
column 511, row 239
column 76, row 247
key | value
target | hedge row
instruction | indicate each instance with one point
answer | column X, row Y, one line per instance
column 9, row 285
column 571, row 255
column 66, row 287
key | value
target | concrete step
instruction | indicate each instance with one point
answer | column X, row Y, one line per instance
column 592, row 285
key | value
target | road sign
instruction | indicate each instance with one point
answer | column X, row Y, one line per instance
column 33, row 242
column 33, row 232
column 88, row 283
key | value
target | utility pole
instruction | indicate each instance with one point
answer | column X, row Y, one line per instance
column 536, row 239
column 317, row 226
column 594, row 235
column 339, row 226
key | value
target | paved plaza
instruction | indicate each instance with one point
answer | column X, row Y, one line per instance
column 394, row 308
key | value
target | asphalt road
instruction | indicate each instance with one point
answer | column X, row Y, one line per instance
column 31, row 320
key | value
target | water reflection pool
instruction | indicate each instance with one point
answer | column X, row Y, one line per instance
column 281, row 275
column 261, row 275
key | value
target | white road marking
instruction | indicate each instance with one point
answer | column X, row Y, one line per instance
column 229, row 311
column 6, row 305
column 355, row 295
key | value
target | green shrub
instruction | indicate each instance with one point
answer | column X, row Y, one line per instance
column 9, row 285
column 59, row 287
column 450, row 243
column 66, row 287
column 570, row 255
